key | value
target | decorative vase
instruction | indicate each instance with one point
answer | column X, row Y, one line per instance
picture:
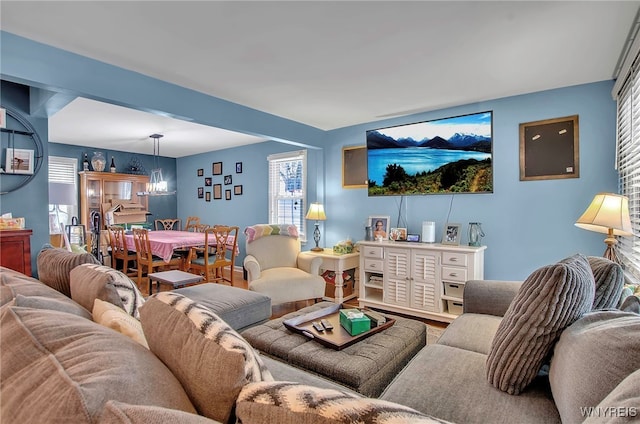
column 475, row 233
column 98, row 162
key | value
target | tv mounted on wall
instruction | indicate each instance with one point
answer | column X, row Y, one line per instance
column 450, row 155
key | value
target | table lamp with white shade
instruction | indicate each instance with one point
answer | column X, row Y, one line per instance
column 316, row 212
column 608, row 213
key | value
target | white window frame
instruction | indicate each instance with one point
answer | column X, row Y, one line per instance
column 277, row 191
column 62, row 170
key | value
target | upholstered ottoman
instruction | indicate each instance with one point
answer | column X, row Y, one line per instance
column 366, row 367
column 237, row 307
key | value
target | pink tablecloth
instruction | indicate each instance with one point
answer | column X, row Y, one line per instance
column 163, row 242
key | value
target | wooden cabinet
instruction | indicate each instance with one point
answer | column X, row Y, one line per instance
column 97, row 188
column 425, row 280
column 15, row 250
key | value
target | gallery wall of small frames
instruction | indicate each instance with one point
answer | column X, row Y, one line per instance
column 218, row 183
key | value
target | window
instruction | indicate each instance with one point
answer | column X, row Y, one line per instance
column 63, row 192
column 288, row 189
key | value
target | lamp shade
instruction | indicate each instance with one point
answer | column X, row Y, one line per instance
column 316, row 212
column 606, row 212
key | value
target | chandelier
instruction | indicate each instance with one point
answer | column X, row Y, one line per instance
column 156, row 186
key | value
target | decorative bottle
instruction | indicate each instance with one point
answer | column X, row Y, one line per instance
column 475, row 233
column 98, row 161
column 85, row 163
column 112, row 168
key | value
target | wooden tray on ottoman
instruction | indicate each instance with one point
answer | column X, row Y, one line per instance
column 338, row 338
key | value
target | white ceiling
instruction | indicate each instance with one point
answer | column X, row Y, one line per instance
column 322, row 63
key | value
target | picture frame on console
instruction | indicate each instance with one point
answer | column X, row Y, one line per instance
column 452, row 234
column 398, row 234
column 380, row 226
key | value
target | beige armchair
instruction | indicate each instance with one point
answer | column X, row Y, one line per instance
column 275, row 269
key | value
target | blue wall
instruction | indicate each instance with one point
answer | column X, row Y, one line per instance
column 528, row 224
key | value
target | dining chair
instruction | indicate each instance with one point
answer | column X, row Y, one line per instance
column 146, row 260
column 210, row 260
column 119, row 249
column 168, row 224
column 192, row 223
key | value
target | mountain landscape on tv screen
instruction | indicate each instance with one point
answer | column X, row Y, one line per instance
column 376, row 140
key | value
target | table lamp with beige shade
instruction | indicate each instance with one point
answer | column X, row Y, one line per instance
column 316, row 212
column 608, row 213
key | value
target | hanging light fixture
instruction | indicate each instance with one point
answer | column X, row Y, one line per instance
column 156, row 186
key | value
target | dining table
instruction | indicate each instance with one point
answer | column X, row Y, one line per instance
column 164, row 242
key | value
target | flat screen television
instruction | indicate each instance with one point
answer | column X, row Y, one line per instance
column 450, row 155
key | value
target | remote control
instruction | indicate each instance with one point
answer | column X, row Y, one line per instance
column 327, row 325
column 319, row 328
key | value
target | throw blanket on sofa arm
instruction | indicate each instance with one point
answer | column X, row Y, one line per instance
column 254, row 232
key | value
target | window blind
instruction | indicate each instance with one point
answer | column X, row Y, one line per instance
column 628, row 164
column 288, row 189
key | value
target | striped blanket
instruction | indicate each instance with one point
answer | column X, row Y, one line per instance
column 254, row 232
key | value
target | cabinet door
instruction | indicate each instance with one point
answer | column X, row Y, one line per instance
column 397, row 281
column 425, row 281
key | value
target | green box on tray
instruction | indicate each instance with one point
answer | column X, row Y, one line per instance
column 351, row 321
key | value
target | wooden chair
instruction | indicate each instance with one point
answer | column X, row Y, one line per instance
column 119, row 249
column 201, row 228
column 146, row 260
column 168, row 224
column 192, row 223
column 211, row 260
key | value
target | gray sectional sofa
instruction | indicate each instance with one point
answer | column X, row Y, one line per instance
column 59, row 365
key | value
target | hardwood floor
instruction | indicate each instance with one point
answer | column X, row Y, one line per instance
column 279, row 310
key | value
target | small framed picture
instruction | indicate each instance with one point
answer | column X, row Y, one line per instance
column 398, row 234
column 237, row 190
column 238, row 167
column 208, row 181
column 200, row 172
column 207, row 196
column 19, row 161
column 451, row 234
column 228, row 180
column 227, row 194
column 380, row 226
column 216, row 168
column 217, row 191
column 200, row 192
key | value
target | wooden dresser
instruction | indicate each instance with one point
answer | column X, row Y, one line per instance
column 15, row 250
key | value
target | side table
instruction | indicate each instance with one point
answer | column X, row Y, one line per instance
column 174, row 278
column 338, row 264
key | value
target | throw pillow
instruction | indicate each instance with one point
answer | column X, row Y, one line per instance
column 115, row 318
column 609, row 279
column 631, row 304
column 286, row 402
column 591, row 358
column 55, row 265
column 548, row 301
column 211, row 360
column 90, row 282
column 52, row 304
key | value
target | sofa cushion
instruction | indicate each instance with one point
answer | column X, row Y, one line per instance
column 631, row 304
column 548, row 301
column 52, row 304
column 471, row 332
column 450, row 383
column 609, row 279
column 124, row 413
column 201, row 349
column 115, row 318
column 591, row 358
column 286, row 402
column 621, row 405
column 90, row 282
column 55, row 265
column 58, row 367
